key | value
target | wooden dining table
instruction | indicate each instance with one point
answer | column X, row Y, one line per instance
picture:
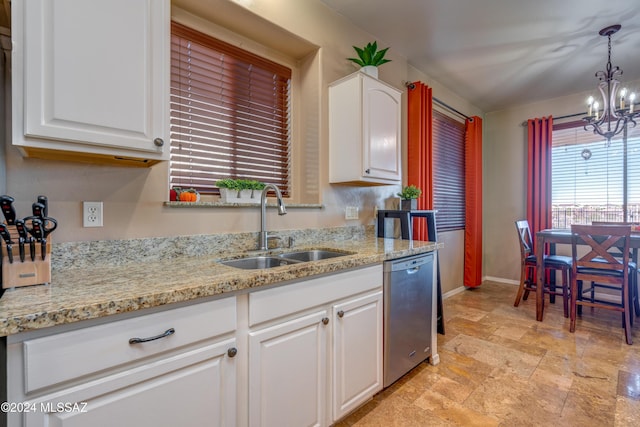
column 555, row 236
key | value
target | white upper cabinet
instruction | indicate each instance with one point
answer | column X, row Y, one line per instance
column 364, row 131
column 91, row 79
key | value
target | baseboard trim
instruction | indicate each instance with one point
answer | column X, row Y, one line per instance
column 501, row 280
column 453, row 292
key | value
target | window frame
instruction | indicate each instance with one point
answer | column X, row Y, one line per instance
column 285, row 177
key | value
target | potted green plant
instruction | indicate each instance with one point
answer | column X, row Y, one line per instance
column 239, row 190
column 369, row 58
column 409, row 197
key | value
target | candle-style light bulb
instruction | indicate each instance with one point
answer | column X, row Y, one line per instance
column 632, row 98
column 590, row 105
column 596, row 106
column 623, row 93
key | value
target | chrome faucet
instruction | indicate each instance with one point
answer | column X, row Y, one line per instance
column 263, row 242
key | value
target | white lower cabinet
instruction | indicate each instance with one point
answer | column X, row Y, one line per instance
column 300, row 354
column 173, row 367
column 315, row 349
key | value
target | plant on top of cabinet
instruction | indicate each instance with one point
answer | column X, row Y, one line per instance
column 370, row 58
column 370, row 55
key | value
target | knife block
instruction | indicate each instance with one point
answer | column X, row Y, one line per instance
column 16, row 274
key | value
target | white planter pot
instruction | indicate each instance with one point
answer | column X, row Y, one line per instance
column 244, row 196
column 370, row 70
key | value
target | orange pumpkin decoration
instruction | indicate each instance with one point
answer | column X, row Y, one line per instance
column 188, row 196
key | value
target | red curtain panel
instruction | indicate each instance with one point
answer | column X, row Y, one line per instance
column 473, row 203
column 539, row 174
column 420, row 147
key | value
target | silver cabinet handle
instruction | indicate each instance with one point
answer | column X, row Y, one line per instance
column 165, row 334
column 325, row 320
column 232, row 352
column 340, row 313
column 159, row 142
column 368, row 171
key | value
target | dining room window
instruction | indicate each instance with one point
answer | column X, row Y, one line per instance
column 591, row 180
column 230, row 114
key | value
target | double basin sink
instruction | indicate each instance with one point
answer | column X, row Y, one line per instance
column 270, row 261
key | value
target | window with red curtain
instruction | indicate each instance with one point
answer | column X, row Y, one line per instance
column 448, row 172
column 230, row 114
column 588, row 182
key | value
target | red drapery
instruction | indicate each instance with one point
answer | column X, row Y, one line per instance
column 420, row 147
column 539, row 174
column 473, row 203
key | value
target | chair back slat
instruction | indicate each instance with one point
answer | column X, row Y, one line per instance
column 524, row 237
column 601, row 239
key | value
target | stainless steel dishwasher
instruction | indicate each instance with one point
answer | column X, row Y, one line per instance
column 408, row 314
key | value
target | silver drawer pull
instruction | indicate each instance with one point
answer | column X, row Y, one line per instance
column 166, row 333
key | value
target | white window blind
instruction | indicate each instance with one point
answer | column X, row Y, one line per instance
column 588, row 176
column 448, row 172
column 230, row 114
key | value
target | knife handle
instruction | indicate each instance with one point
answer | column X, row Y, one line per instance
column 44, row 202
column 38, row 210
column 4, row 233
column 6, row 204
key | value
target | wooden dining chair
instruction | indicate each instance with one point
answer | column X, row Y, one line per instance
column 633, row 273
column 601, row 266
column 528, row 265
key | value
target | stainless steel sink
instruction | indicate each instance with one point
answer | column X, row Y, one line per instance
column 266, row 261
column 259, row 262
column 312, row 255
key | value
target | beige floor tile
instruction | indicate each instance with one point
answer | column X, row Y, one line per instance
column 500, row 367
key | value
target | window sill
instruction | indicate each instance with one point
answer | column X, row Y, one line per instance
column 192, row 205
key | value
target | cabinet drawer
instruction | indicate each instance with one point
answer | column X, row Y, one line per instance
column 284, row 300
column 65, row 356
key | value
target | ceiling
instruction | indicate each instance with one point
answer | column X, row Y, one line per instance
column 502, row 53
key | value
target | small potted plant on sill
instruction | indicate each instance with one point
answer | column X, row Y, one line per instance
column 369, row 58
column 239, row 190
column 409, row 197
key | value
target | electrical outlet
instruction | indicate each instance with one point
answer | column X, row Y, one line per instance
column 351, row 212
column 92, row 214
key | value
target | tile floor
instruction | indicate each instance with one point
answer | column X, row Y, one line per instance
column 499, row 367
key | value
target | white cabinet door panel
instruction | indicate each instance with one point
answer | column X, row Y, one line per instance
column 92, row 74
column 357, row 352
column 287, row 371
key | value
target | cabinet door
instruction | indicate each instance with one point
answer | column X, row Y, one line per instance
column 195, row 388
column 287, row 373
column 381, row 131
column 357, row 352
column 94, row 74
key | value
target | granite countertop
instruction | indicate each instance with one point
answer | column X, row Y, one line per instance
column 91, row 292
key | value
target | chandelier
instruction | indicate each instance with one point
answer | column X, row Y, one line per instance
column 607, row 120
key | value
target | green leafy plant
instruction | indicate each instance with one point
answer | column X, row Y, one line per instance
column 370, row 55
column 410, row 192
column 229, row 183
column 240, row 184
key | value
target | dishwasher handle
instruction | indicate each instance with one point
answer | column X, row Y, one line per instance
column 413, row 270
